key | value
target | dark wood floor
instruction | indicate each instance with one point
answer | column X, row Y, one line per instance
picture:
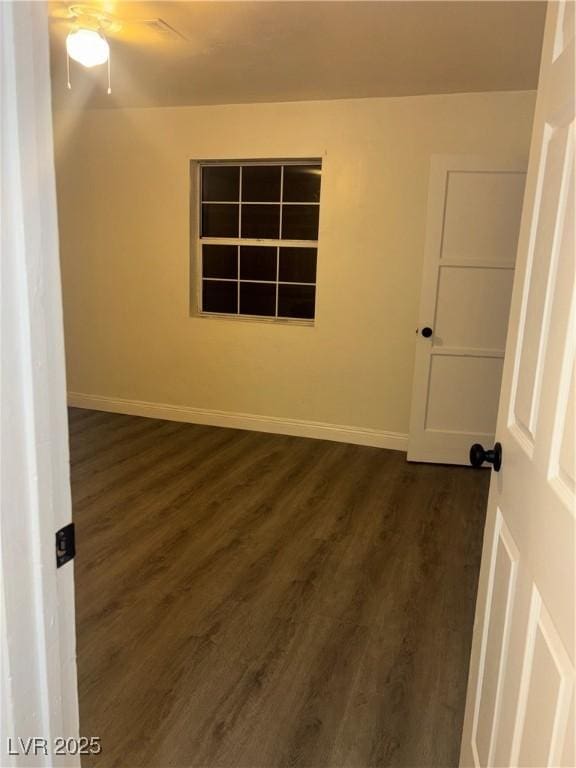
column 257, row 600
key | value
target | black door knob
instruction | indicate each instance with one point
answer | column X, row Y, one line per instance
column 478, row 456
column 426, row 332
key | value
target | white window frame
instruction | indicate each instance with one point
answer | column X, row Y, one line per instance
column 195, row 231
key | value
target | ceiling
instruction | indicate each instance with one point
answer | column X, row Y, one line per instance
column 241, row 52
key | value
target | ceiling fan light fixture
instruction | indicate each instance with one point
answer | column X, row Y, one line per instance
column 88, row 47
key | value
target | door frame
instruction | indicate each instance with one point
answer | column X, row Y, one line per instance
column 37, row 642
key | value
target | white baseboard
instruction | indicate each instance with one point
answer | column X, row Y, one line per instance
column 377, row 438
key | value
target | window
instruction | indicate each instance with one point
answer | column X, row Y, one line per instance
column 258, row 238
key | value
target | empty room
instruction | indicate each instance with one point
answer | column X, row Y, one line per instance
column 290, row 421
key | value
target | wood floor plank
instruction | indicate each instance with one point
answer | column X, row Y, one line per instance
column 260, row 601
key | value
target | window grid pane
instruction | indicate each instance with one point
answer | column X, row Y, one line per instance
column 284, row 288
column 297, row 265
column 220, row 183
column 260, row 221
column 258, row 262
column 302, row 183
column 219, row 296
column 219, row 261
column 296, row 300
column 262, row 184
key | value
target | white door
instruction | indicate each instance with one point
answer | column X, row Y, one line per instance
column 37, row 635
column 520, row 704
column 474, row 209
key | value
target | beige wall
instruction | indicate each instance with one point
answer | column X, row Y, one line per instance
column 123, row 184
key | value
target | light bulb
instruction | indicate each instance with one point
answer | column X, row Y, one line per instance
column 87, row 47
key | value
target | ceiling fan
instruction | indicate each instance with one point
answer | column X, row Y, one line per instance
column 89, row 28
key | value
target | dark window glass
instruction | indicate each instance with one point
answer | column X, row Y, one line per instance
column 221, row 183
column 302, row 183
column 300, row 222
column 298, row 265
column 219, row 296
column 296, row 301
column 261, row 221
column 261, row 183
column 219, row 220
column 220, row 261
column 257, row 299
column 257, row 262
column 260, row 202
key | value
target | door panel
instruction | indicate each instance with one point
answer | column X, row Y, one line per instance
column 463, row 296
column 545, row 693
column 532, row 498
column 472, row 230
column 540, row 280
column 455, row 382
column 482, row 215
column 502, row 593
